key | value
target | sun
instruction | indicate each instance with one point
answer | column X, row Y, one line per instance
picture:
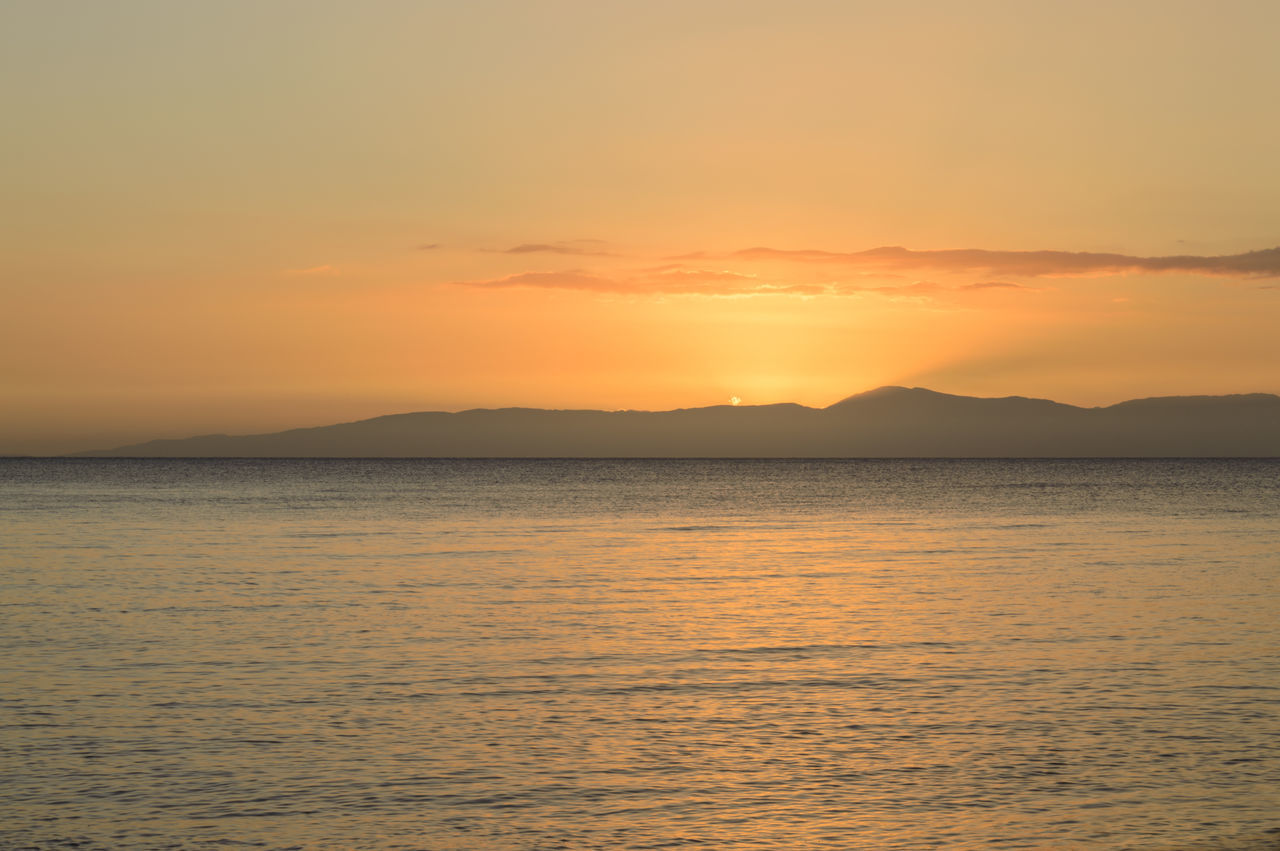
column 735, row 401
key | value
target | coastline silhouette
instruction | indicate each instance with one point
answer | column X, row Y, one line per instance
column 886, row 422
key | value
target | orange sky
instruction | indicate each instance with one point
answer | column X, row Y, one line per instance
column 244, row 217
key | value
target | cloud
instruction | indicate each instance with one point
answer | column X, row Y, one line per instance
column 675, row 279
column 1258, row 264
column 573, row 247
column 770, row 271
column 916, row 288
column 664, row 280
column 995, row 285
column 678, row 280
column 427, row 246
column 314, row 271
column 704, row 276
column 568, row 280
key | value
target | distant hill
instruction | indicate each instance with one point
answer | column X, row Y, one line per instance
column 885, row 423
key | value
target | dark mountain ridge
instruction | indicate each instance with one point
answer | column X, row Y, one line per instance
column 887, row 422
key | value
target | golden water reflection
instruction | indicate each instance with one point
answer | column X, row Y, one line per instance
column 602, row 654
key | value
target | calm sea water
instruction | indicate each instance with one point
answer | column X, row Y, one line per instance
column 639, row 654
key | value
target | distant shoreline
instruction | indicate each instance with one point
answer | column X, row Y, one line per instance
column 891, row 422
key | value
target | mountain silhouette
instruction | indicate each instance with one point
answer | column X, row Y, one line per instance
column 890, row 422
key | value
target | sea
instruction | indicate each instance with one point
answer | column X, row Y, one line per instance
column 639, row 654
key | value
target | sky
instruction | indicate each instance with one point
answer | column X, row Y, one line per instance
column 247, row 216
